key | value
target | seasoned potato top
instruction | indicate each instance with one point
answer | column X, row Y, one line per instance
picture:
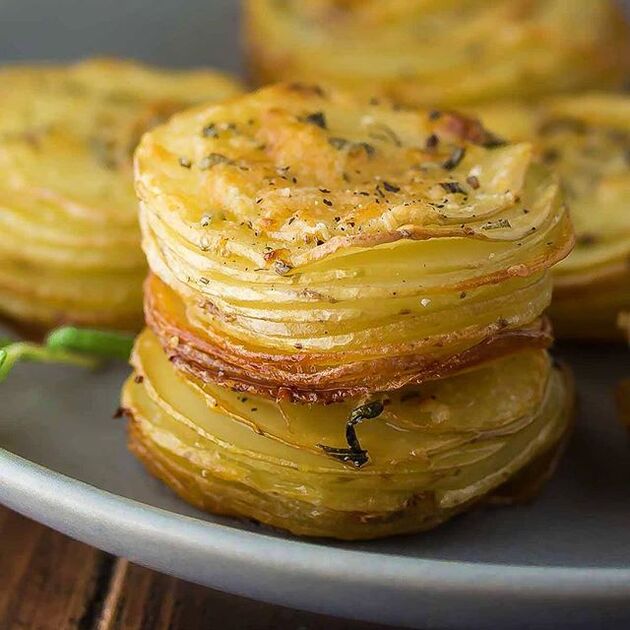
column 67, row 133
column 586, row 140
column 39, row 95
column 294, row 173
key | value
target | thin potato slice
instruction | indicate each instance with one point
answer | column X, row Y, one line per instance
column 326, row 244
column 432, row 452
column 69, row 238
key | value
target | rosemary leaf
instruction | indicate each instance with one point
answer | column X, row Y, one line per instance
column 99, row 343
column 24, row 351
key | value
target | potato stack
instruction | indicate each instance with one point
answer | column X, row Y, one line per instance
column 450, row 52
column 586, row 140
column 344, row 313
column 69, row 240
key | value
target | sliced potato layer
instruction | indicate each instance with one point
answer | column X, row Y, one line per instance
column 433, row 450
column 323, row 243
column 69, row 241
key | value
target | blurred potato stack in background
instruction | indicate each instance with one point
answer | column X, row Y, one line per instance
column 585, row 138
column 69, row 240
column 439, row 52
column 344, row 313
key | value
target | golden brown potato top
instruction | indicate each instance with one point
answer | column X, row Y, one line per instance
column 293, row 173
column 586, row 139
column 67, row 133
column 56, row 94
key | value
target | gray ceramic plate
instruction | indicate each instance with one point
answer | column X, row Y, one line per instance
column 563, row 561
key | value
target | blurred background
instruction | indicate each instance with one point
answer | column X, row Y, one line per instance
column 168, row 32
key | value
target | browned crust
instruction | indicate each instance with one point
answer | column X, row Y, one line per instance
column 310, row 378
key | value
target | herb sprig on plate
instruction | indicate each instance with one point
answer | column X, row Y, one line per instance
column 69, row 345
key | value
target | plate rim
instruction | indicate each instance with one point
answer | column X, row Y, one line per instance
column 91, row 514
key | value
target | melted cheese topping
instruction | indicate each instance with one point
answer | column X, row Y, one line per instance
column 294, row 174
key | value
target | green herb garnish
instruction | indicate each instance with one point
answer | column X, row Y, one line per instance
column 100, row 343
column 317, row 118
column 453, row 188
column 354, row 454
column 68, row 345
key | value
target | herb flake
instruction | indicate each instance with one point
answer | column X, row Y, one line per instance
column 454, row 159
column 318, row 119
column 495, row 225
column 453, row 187
column 354, row 454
